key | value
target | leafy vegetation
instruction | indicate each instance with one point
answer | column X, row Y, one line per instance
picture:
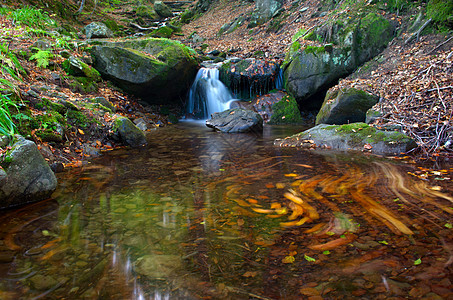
column 7, row 126
column 42, row 58
column 30, row 16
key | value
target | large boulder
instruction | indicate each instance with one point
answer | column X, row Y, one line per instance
column 97, row 30
column 249, row 77
column 264, row 11
column 162, row 9
column 345, row 106
column 236, row 120
column 26, row 176
column 159, row 71
column 355, row 136
column 350, row 42
column 130, row 134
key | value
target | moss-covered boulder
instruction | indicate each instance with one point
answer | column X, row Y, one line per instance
column 25, row 176
column 264, row 11
column 249, row 77
column 355, row 136
column 75, row 67
column 345, row 106
column 129, row 134
column 162, row 9
column 285, row 111
column 160, row 71
column 162, row 32
column 348, row 43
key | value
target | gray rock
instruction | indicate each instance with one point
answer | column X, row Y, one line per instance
column 159, row 71
column 372, row 115
column 355, row 136
column 97, row 30
column 345, row 106
column 28, row 176
column 129, row 133
column 351, row 42
column 162, row 9
column 42, row 44
column 236, row 120
column 105, row 102
column 264, row 10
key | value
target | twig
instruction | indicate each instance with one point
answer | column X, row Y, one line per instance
column 440, row 45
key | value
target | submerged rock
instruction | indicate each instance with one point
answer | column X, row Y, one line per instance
column 130, row 134
column 355, row 136
column 26, row 176
column 159, row 71
column 236, row 120
column 158, row 266
column 345, row 106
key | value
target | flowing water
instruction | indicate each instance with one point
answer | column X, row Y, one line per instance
column 207, row 95
column 204, row 215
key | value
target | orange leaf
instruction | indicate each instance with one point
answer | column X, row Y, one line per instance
column 81, row 131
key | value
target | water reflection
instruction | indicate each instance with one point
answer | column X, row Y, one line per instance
column 206, row 215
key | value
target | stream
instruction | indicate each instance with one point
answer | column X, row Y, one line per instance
column 204, row 215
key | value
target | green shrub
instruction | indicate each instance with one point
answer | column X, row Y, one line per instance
column 440, row 11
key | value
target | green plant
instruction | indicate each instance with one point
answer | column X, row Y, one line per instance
column 7, row 126
column 30, row 16
column 10, row 63
column 42, row 58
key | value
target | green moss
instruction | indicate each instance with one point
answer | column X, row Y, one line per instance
column 363, row 133
column 162, row 32
column 187, row 16
column 286, row 111
column 314, row 49
column 375, row 31
column 111, row 24
column 77, row 118
column 83, row 85
column 145, row 11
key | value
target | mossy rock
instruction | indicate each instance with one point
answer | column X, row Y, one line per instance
column 158, row 70
column 286, row 111
column 162, row 32
column 187, row 16
column 345, row 106
column 354, row 136
column 348, row 43
column 146, row 11
column 130, row 134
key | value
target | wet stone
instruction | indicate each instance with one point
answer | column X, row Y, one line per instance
column 43, row 282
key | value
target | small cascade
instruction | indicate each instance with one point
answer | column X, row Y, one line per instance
column 280, row 82
column 207, row 95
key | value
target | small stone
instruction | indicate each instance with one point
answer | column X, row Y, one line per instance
column 43, row 282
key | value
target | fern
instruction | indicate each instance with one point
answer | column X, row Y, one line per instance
column 42, row 58
column 7, row 127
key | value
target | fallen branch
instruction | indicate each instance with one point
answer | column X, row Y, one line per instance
column 440, row 45
column 142, row 28
column 417, row 33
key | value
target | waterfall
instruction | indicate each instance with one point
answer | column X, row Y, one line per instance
column 207, row 95
column 280, row 82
